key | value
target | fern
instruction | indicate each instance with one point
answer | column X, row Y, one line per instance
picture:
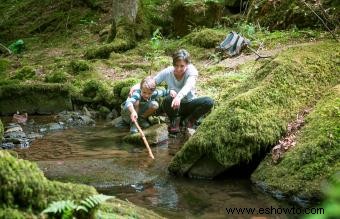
column 67, row 209
column 63, row 209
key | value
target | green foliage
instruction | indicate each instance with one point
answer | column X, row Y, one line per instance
column 315, row 155
column 25, row 73
column 69, row 209
column 57, row 77
column 255, row 115
column 11, row 213
column 206, row 38
column 4, row 64
column 92, row 88
column 156, row 48
column 78, row 66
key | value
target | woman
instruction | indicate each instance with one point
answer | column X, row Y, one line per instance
column 182, row 104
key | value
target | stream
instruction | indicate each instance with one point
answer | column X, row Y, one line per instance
column 97, row 156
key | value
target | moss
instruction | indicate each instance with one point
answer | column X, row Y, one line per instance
column 57, row 77
column 122, row 209
column 13, row 214
column 315, row 157
column 1, row 130
column 122, row 88
column 34, row 98
column 78, row 66
column 25, row 73
column 4, row 64
column 256, row 114
column 206, row 38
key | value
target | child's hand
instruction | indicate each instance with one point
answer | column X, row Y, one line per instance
column 173, row 93
column 134, row 116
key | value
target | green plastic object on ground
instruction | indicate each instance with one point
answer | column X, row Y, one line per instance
column 17, row 47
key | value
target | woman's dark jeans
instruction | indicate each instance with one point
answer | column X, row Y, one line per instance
column 188, row 110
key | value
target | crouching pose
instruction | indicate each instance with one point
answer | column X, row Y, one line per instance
column 141, row 104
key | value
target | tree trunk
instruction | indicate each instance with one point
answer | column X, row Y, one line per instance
column 123, row 11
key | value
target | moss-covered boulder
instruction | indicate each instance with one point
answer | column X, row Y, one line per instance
column 313, row 159
column 23, row 185
column 293, row 13
column 255, row 115
column 34, row 98
column 25, row 192
column 206, row 38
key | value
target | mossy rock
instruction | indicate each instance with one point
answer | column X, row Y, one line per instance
column 25, row 192
column 206, row 38
column 24, row 185
column 314, row 158
column 13, row 214
column 122, row 209
column 255, row 114
column 57, row 77
column 39, row 98
column 25, row 73
column 154, row 135
column 78, row 66
column 121, row 89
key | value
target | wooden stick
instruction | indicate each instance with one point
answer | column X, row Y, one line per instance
column 144, row 140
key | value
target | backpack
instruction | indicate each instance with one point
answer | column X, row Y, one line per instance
column 233, row 44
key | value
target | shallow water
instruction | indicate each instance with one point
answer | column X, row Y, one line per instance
column 97, row 156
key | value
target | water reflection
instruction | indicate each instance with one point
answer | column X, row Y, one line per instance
column 97, row 156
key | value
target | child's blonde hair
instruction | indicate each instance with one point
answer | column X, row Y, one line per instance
column 149, row 83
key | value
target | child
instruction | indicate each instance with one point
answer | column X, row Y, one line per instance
column 142, row 104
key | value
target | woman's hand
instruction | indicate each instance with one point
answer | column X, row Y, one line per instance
column 134, row 116
column 176, row 102
column 173, row 93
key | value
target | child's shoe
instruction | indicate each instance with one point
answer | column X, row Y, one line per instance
column 143, row 122
column 133, row 128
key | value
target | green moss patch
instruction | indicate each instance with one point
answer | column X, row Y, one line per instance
column 207, row 38
column 255, row 115
column 39, row 98
column 315, row 157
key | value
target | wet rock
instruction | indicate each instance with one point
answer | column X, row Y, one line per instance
column 119, row 123
column 7, row 145
column 154, row 135
column 51, row 127
column 72, row 118
column 33, row 136
column 112, row 115
column 206, row 168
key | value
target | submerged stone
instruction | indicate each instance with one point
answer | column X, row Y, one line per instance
column 154, row 135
